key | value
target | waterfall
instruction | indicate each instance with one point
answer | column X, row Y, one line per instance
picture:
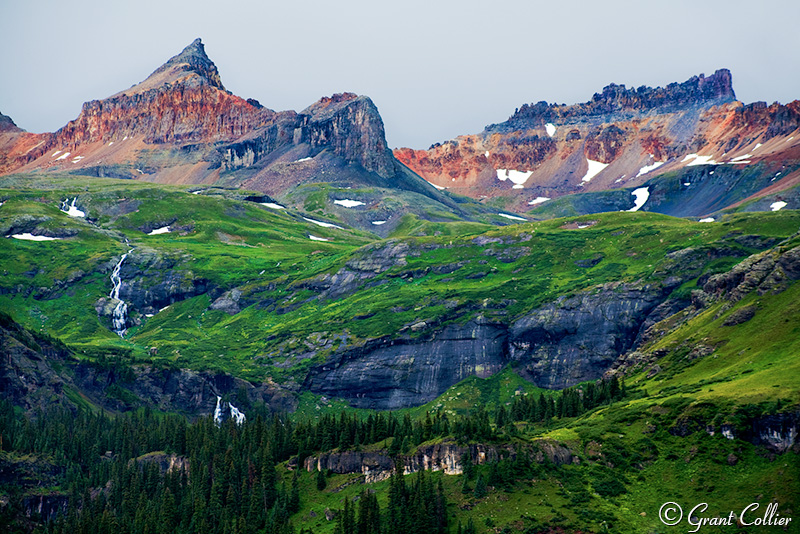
column 235, row 413
column 121, row 309
column 70, row 209
column 218, row 412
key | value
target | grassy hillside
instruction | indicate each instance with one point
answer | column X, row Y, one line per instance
column 449, row 272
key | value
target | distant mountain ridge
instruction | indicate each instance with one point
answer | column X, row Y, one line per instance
column 181, row 126
column 697, row 91
column 622, row 139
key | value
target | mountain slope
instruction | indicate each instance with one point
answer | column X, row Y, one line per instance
column 620, row 139
column 180, row 126
column 225, row 281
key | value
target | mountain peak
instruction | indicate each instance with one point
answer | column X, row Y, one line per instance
column 7, row 124
column 616, row 100
column 191, row 66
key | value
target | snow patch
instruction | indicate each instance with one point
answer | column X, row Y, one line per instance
column 323, row 224
column 700, row 160
column 347, row 203
column 512, row 217
column 777, row 206
column 63, row 156
column 518, row 177
column 550, row 128
column 56, row 153
column 70, row 209
column 110, row 143
column 303, row 159
column 739, row 158
column 707, row 219
column 648, row 168
column 273, row 205
column 641, row 195
column 125, row 138
column 30, row 237
column 315, row 238
column 595, row 168
column 162, row 230
column 486, row 154
column 76, row 159
column 687, row 184
column 378, row 223
column 745, row 162
column 439, row 187
column 758, row 145
column 538, row 200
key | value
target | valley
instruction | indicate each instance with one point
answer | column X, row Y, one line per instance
column 216, row 317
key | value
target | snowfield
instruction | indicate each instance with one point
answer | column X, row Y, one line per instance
column 595, row 168
column 641, row 195
column 347, row 203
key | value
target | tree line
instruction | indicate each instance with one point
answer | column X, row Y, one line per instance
column 117, row 485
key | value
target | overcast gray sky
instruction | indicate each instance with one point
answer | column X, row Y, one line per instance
column 435, row 69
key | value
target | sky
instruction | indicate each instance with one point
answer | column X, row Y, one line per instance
column 435, row 69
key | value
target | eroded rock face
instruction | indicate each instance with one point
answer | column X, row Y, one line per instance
column 378, row 465
column 352, row 127
column 578, row 338
column 767, row 271
column 562, row 343
column 389, row 374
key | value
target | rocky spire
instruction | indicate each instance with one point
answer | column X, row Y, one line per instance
column 7, row 124
column 192, row 59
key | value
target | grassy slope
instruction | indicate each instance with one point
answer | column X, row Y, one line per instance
column 266, row 253
column 754, row 364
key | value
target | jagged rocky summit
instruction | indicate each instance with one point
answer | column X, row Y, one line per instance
column 622, row 139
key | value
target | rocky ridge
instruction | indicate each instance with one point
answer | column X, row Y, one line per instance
column 619, row 139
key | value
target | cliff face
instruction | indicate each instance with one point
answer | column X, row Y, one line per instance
column 620, row 138
column 352, row 127
column 379, row 465
column 36, row 371
column 617, row 99
column 389, row 374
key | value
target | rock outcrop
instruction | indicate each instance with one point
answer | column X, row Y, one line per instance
column 571, row 340
column 37, row 371
column 394, row 373
column 446, row 457
column 578, row 338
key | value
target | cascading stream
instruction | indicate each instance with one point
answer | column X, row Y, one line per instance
column 121, row 309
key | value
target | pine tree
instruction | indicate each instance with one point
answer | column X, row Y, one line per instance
column 322, row 482
column 480, row 487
